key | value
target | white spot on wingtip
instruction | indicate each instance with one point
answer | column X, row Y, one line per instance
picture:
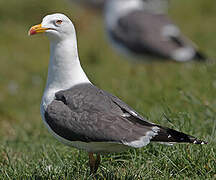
column 169, row 136
column 195, row 142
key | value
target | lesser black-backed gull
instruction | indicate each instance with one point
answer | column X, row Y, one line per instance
column 83, row 116
column 143, row 28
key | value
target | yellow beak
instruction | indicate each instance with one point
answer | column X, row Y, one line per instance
column 37, row 29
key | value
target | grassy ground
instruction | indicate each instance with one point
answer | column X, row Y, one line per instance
column 181, row 96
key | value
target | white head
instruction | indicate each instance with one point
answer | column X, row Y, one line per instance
column 64, row 70
column 55, row 26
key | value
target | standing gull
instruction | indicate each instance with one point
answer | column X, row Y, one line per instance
column 83, row 116
column 143, row 28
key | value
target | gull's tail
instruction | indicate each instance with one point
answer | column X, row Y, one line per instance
column 167, row 135
column 201, row 57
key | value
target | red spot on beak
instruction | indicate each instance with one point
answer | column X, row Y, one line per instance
column 36, row 29
column 32, row 31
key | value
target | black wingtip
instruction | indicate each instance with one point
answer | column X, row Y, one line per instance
column 199, row 56
column 173, row 136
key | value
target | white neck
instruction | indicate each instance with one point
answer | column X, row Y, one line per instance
column 64, row 70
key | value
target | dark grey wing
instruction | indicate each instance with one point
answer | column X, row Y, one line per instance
column 125, row 109
column 86, row 113
column 152, row 34
column 163, row 134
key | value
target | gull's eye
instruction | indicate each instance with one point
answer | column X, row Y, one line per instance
column 59, row 22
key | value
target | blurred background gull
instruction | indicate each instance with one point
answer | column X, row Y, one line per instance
column 181, row 96
column 143, row 28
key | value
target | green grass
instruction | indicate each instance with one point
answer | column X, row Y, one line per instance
column 180, row 96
